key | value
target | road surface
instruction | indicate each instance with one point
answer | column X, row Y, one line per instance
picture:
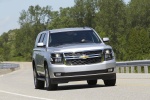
column 19, row 85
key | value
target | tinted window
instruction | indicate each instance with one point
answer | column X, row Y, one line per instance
column 73, row 37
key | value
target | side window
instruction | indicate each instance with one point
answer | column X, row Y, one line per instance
column 41, row 39
column 45, row 39
column 37, row 40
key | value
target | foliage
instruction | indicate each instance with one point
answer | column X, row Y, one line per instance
column 127, row 26
column 1, row 59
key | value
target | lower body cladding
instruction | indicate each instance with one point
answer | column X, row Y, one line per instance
column 63, row 74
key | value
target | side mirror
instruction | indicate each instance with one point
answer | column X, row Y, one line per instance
column 40, row 45
column 106, row 39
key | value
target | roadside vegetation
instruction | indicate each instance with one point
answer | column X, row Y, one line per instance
column 1, row 59
column 127, row 26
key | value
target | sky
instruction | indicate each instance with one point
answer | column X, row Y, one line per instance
column 10, row 10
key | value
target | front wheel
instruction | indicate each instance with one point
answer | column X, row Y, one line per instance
column 37, row 83
column 111, row 82
column 49, row 85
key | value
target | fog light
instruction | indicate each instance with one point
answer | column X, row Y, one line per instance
column 110, row 70
column 57, row 74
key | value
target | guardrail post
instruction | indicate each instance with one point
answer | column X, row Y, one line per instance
column 122, row 69
column 137, row 66
column 132, row 69
column 139, row 69
column 127, row 69
column 145, row 69
column 117, row 69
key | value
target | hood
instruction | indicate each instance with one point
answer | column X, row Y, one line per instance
column 78, row 47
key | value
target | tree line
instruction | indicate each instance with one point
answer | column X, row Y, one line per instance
column 127, row 26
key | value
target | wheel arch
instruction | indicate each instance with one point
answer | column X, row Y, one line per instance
column 45, row 63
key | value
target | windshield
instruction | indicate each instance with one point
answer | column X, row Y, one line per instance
column 71, row 37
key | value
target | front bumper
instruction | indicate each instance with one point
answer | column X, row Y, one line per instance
column 82, row 72
column 80, row 78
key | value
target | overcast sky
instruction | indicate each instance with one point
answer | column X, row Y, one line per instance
column 10, row 10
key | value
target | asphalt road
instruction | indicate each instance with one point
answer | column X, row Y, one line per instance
column 19, row 85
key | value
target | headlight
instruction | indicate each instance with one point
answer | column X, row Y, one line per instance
column 56, row 58
column 108, row 54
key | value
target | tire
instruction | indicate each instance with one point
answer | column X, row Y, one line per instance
column 92, row 82
column 111, row 82
column 49, row 85
column 37, row 83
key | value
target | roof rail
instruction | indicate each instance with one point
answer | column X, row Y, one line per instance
column 86, row 27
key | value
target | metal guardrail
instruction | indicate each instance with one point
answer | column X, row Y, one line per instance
column 133, row 63
column 137, row 66
column 8, row 65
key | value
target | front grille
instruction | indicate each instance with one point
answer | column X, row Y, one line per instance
column 83, row 61
column 82, row 58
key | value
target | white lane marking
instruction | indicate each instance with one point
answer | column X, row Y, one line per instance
column 17, row 94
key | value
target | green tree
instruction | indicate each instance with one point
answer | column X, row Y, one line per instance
column 111, row 21
column 139, row 13
column 32, row 21
column 35, row 15
column 138, row 34
column 1, row 55
column 62, row 19
column 138, row 45
column 84, row 12
column 127, row 26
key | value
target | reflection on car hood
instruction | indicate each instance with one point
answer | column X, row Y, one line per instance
column 78, row 47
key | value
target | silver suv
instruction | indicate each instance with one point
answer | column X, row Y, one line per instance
column 72, row 54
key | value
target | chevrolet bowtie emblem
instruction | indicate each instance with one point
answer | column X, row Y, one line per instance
column 84, row 56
